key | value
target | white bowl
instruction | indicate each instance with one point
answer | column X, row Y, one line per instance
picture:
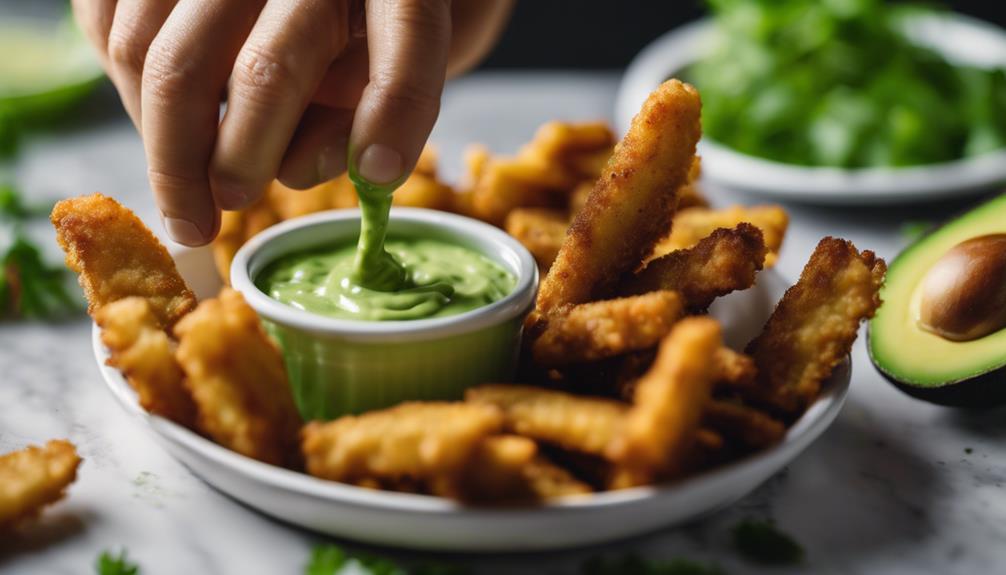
column 340, row 366
column 960, row 39
column 424, row 522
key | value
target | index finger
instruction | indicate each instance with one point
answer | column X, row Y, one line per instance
column 185, row 72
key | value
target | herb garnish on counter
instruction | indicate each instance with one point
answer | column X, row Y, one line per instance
column 29, row 286
column 109, row 564
column 763, row 542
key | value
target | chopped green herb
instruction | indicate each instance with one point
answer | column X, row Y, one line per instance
column 9, row 133
column 635, row 565
column 14, row 208
column 968, row 450
column 29, row 287
column 762, row 542
column 109, row 564
column 842, row 83
column 333, row 560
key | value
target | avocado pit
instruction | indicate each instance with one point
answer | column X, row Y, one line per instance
column 963, row 295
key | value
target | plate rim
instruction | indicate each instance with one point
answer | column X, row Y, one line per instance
column 669, row 53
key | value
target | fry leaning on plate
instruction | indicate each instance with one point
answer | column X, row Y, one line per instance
column 577, row 343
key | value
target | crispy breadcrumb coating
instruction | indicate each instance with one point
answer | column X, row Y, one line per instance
column 34, row 477
column 578, row 423
column 660, row 429
column 724, row 261
column 814, row 325
column 428, row 442
column 607, row 328
column 540, row 230
column 631, row 204
column 743, row 425
column 692, row 224
column 117, row 257
column 237, row 378
column 143, row 352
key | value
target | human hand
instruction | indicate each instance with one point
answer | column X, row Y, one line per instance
column 305, row 81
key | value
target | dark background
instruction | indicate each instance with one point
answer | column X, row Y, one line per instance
column 607, row 34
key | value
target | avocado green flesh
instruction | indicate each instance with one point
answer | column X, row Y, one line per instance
column 440, row 279
column 912, row 356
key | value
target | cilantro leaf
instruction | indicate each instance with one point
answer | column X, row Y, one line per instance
column 763, row 542
column 329, row 559
column 30, row 287
column 109, row 564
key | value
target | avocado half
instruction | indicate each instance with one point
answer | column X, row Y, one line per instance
column 924, row 365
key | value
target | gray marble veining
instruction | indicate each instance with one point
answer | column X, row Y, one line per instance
column 895, row 487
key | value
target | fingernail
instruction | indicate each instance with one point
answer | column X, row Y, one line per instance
column 331, row 162
column 379, row 164
column 230, row 195
column 183, row 231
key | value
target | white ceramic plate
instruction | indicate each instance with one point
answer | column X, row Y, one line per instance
column 959, row 38
column 423, row 522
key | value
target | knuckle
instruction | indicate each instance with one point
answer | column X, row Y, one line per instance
column 166, row 75
column 172, row 183
column 430, row 15
column 126, row 52
column 262, row 76
column 232, row 175
column 404, row 94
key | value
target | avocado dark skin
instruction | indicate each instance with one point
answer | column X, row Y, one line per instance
column 980, row 392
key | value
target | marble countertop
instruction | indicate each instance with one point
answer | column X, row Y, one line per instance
column 896, row 486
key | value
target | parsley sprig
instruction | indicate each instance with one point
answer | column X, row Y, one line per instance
column 30, row 287
column 109, row 564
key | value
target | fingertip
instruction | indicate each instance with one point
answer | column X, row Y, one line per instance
column 305, row 169
column 187, row 233
column 234, row 194
column 380, row 164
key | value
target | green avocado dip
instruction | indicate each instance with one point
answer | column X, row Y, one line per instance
column 403, row 278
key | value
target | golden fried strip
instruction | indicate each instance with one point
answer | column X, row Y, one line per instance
column 429, row 442
column 34, row 477
column 546, row 480
column 117, row 256
column 578, row 423
column 660, row 429
column 692, row 224
column 631, row 205
column 743, row 425
column 510, row 183
column 724, row 261
column 494, row 473
column 689, row 196
column 145, row 355
column 508, row 469
column 238, row 381
column 734, row 370
column 814, row 325
column 422, row 191
column 540, row 230
column 288, row 203
column 557, row 141
column 601, row 329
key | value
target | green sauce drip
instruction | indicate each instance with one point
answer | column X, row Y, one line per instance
column 385, row 279
column 374, row 267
